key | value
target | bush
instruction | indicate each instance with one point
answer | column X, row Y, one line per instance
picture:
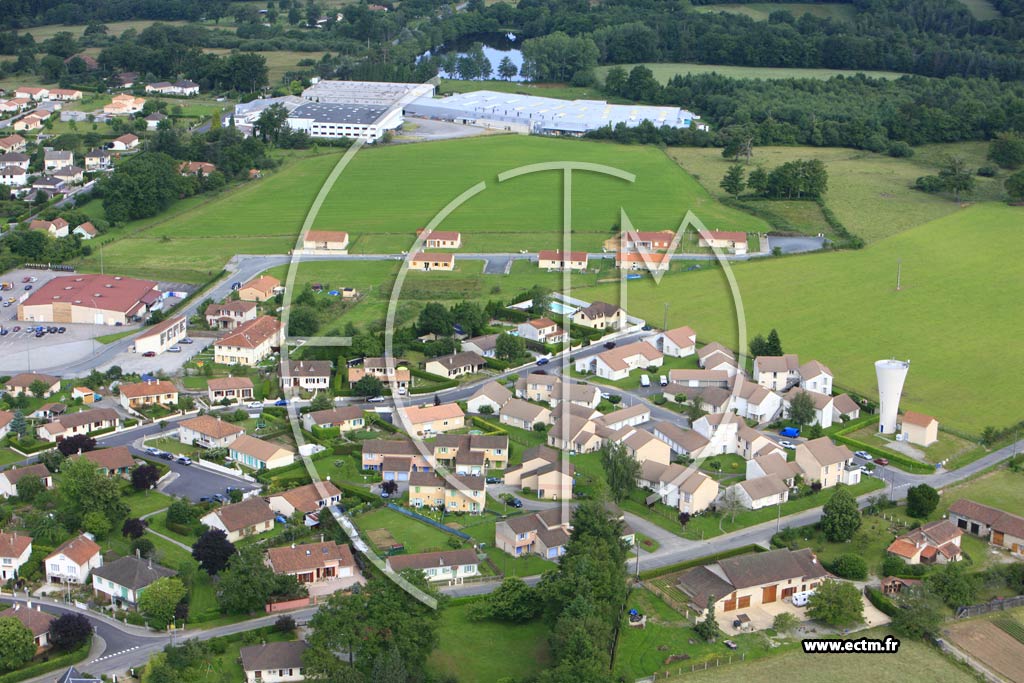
column 284, row 624
column 880, row 601
column 851, row 567
column 144, row 547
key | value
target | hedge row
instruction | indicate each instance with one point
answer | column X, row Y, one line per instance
column 51, row 664
column 679, row 566
column 437, row 382
column 881, row 601
column 896, row 459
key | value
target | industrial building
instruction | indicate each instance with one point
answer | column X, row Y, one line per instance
column 545, row 115
column 92, row 299
column 245, row 115
column 368, row 122
column 366, row 92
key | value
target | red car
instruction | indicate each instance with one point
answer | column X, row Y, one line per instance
column 149, row 354
column 26, row 279
column 881, row 461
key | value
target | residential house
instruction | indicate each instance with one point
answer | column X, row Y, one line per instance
column 116, row 461
column 9, row 478
column 778, row 373
column 33, row 121
column 15, row 550
column 522, row 414
column 919, row 429
column 14, row 105
column 452, row 566
column 123, row 581
column 6, row 417
column 313, row 562
column 456, row 364
column 279, row 662
column 932, row 543
column 162, row 336
column 73, row 561
column 999, row 528
column 844, row 407
column 90, row 64
column 307, row 499
column 86, row 230
column 894, row 585
column 84, row 422
column 426, row 420
column 426, row 262
column 543, row 330
column 35, row 620
column 679, row 342
column 326, row 240
column 154, row 119
column 827, row 463
column 13, row 143
column 21, row 384
column 48, row 411
column 537, row 387
column 576, row 393
column 310, row 375
column 239, row 520
column 392, row 374
column 126, row 79
column 230, row 314
column 124, row 143
column 65, row 94
column 557, row 260
column 680, row 441
column 732, row 242
column 441, row 239
column 249, row 343
column 751, row 580
column 233, row 389
column 633, row 260
column 58, row 227
column 401, row 458
column 141, row 394
column 196, row 168
column 13, row 176
column 32, row 93
column 774, row 464
column 486, row 345
column 678, row 486
column 98, row 160
column 815, row 376
column 259, row 289
column 544, row 472
column 600, row 316
column 721, row 430
column 630, row 416
column 752, row 401
column 72, row 175
column 712, row 355
column 617, row 363
column 824, row 412
column 124, row 104
column 651, row 241
column 544, row 533
column 258, row 454
column 454, row 493
column 345, row 419
column 208, row 431
column 19, row 159
column 57, row 158
column 472, row 453
column 640, row 444
column 493, row 395
column 574, row 433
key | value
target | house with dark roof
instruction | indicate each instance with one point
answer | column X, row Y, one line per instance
column 83, row 422
column 600, row 316
column 230, row 314
column 122, row 581
column 344, row 419
column 35, row 620
column 751, row 580
column 456, row 364
column 311, row 375
column 452, row 566
column 273, row 662
column 1000, row 528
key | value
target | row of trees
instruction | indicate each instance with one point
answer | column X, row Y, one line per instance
column 798, row 179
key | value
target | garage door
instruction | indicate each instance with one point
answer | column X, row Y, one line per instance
column 744, row 602
column 768, row 594
column 730, row 605
column 787, row 592
column 389, row 476
column 403, row 476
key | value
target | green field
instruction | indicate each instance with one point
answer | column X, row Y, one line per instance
column 416, row 536
column 869, row 193
column 843, row 308
column 278, row 61
column 367, row 200
column 1000, row 489
column 469, row 650
column 114, row 28
column 982, row 9
column 760, row 11
column 663, row 71
column 557, row 90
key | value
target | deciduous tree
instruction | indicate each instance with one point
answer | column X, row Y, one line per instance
column 145, row 477
column 921, row 501
column 620, row 469
column 213, row 550
column 733, row 181
column 160, row 599
column 836, row 603
column 19, row 645
column 69, row 630
column 840, row 517
column 801, row 408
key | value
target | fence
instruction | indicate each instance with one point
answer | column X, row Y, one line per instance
column 225, row 470
column 703, row 666
column 995, row 605
column 431, row 522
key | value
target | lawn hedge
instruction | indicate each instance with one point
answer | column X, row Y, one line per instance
column 880, row 601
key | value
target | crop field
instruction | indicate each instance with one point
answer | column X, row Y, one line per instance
column 869, row 193
column 843, row 308
column 760, row 11
column 996, row 649
column 663, row 71
column 395, row 190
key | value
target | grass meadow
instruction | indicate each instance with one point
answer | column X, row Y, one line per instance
column 957, row 316
column 760, row 11
column 395, row 190
column 663, row 71
column 279, row 62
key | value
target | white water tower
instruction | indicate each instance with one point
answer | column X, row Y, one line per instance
column 891, row 375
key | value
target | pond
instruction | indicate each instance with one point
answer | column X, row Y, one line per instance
column 461, row 61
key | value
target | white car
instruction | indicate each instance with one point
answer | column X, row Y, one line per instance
column 787, row 444
column 864, row 455
column 376, row 399
column 401, row 391
column 173, row 349
column 254, row 404
column 605, row 395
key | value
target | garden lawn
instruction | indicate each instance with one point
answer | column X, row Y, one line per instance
column 948, row 445
column 663, row 72
column 527, row 209
column 962, row 264
column 144, row 502
column 487, row 650
column 869, row 193
column 870, row 541
column 416, row 536
column 9, row 457
column 482, row 531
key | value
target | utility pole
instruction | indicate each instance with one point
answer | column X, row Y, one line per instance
column 899, row 273
column 664, row 318
column 778, row 520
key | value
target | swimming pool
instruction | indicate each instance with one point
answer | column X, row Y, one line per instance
column 561, row 309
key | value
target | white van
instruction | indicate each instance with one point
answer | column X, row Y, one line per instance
column 800, row 599
column 645, row 381
column 663, row 381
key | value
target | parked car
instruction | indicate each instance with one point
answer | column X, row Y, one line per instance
column 254, row 404
column 16, row 328
column 609, row 345
column 493, row 480
column 663, row 380
column 787, row 444
column 167, row 456
column 28, row 287
column 605, row 395
column 864, row 455
column 229, row 489
column 3, row 331
column 151, row 450
column 184, row 460
column 281, row 402
column 645, row 381
column 39, row 334
column 26, row 279
column 149, row 354
column 236, row 285
column 52, row 329
column 543, row 361
column 62, row 330
column 186, row 340
column 881, row 462
column 789, row 432
column 7, row 304
column 516, row 503
column 401, row 391
column 646, row 328
column 174, row 349
column 376, row 399
column 219, row 497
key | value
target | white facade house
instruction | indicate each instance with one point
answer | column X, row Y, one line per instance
column 73, row 561
column 677, row 343
column 15, row 550
column 357, row 121
column 617, row 363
